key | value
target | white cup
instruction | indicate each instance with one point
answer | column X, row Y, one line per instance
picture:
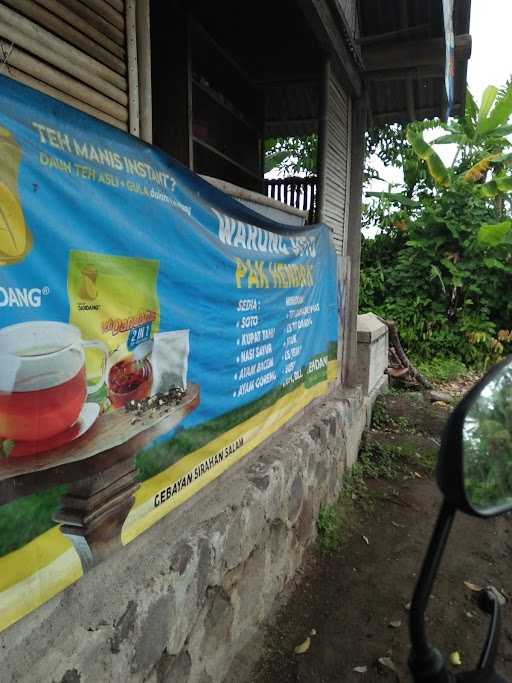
column 43, row 383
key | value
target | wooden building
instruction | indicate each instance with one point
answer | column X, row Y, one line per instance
column 209, row 81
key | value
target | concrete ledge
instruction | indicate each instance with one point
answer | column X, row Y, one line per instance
column 184, row 598
column 267, row 206
column 370, row 328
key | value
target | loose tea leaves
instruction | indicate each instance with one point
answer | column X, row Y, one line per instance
column 173, row 397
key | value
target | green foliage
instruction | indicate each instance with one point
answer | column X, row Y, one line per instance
column 441, row 369
column 495, row 234
column 292, row 156
column 442, row 261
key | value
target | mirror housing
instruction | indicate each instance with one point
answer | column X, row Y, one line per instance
column 450, row 464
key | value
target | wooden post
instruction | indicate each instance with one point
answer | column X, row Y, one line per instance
column 353, row 240
column 144, row 64
column 322, row 142
column 343, row 279
column 133, row 70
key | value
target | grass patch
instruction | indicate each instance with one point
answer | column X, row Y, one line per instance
column 383, row 422
column 383, row 462
column 330, row 526
column 441, row 369
column 24, row 519
column 335, row 520
column 381, row 419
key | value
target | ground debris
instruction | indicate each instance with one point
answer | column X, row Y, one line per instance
column 303, row 647
column 455, row 659
column 386, row 664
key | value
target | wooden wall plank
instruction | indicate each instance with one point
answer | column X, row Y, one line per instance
column 62, row 82
column 64, row 30
column 94, row 19
column 37, row 40
column 56, row 7
column 32, row 82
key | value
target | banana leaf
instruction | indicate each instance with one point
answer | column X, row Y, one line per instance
column 485, row 105
column 503, row 130
column 497, row 233
column 504, row 184
column 477, row 171
column 450, row 138
column 424, row 151
column 494, row 263
column 469, row 119
column 500, row 114
column 471, row 108
column 454, row 272
column 490, row 189
column 395, row 197
column 273, row 160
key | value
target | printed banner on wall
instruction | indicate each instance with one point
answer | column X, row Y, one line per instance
column 153, row 331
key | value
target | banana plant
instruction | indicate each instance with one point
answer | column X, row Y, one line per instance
column 485, row 126
column 481, row 158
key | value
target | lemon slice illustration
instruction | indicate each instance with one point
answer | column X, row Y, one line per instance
column 15, row 239
column 88, row 289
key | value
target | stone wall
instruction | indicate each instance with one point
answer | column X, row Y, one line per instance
column 182, row 601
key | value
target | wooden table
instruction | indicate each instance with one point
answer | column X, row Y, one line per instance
column 100, row 469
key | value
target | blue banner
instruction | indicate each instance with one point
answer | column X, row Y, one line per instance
column 152, row 332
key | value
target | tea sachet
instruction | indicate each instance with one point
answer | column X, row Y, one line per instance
column 170, row 361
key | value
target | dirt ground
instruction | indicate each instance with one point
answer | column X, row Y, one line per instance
column 355, row 600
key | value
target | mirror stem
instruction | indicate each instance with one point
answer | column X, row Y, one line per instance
column 425, row 660
column 490, row 603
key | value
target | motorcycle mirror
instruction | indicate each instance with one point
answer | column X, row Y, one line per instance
column 474, row 469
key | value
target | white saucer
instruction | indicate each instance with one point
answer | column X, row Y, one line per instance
column 88, row 416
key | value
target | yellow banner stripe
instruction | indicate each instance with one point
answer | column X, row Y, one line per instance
column 28, row 592
column 253, row 432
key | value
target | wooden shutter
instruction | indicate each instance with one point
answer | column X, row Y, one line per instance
column 82, row 52
column 335, row 170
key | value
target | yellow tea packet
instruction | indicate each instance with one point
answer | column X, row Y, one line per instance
column 113, row 300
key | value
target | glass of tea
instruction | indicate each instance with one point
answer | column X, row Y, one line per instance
column 129, row 379
column 43, row 383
